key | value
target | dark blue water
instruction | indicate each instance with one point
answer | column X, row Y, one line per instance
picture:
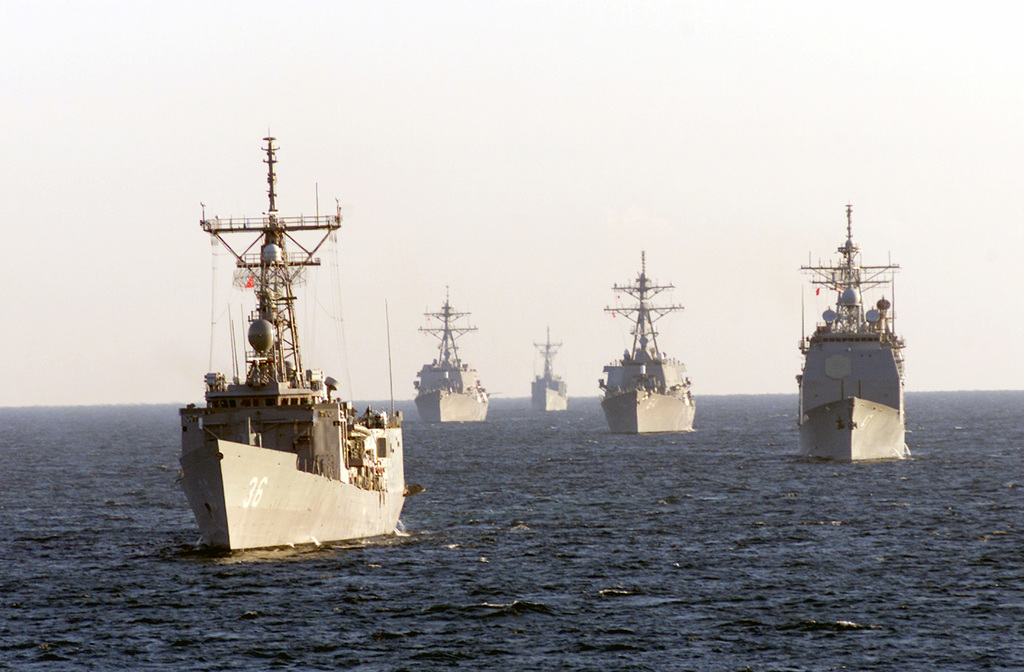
column 541, row 543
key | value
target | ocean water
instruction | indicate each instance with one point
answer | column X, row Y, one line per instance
column 541, row 542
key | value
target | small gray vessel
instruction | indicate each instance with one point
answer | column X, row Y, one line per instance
column 273, row 460
column 549, row 392
column 646, row 391
column 851, row 386
column 449, row 390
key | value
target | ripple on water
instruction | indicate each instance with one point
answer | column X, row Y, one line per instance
column 712, row 550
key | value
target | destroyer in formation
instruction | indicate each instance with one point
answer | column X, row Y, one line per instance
column 549, row 392
column 272, row 460
column 646, row 391
column 449, row 390
column 851, row 387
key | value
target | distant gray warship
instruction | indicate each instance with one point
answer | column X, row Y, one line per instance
column 549, row 392
column 851, row 387
column 273, row 460
column 646, row 392
column 449, row 390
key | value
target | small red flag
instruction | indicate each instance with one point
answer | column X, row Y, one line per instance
column 250, row 282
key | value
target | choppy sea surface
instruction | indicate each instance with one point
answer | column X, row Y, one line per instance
column 541, row 542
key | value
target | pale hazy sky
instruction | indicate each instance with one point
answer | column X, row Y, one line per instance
column 523, row 153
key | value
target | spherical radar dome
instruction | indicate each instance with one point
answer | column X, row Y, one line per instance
column 850, row 297
column 272, row 254
column 261, row 335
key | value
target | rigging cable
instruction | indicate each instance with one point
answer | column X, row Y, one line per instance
column 338, row 308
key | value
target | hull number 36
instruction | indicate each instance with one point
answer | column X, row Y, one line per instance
column 255, row 492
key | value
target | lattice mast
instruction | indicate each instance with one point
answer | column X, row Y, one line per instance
column 645, row 337
column 447, row 333
column 267, row 267
column 548, row 350
column 848, row 280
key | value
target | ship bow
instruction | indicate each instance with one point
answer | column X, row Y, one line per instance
column 852, row 430
column 639, row 412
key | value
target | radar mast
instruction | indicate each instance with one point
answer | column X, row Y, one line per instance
column 645, row 337
column 848, row 279
column 265, row 264
column 447, row 333
column 548, row 350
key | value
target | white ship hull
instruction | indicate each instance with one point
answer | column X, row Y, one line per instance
column 639, row 412
column 851, row 430
column 851, row 385
column 546, row 399
column 445, row 406
column 251, row 497
column 272, row 460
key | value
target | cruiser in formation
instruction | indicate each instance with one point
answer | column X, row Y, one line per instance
column 851, row 387
column 273, row 460
column 449, row 390
column 549, row 392
column 646, row 391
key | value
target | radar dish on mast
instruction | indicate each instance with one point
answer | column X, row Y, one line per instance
column 872, row 316
column 829, row 315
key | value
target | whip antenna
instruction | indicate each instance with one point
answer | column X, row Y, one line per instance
column 391, row 378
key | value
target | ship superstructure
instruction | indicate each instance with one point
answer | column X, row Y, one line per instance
column 851, row 386
column 272, row 459
column 549, row 392
column 646, row 391
column 449, row 390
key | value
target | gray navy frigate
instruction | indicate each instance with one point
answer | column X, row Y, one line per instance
column 646, row 391
column 273, row 460
column 549, row 392
column 449, row 390
column 851, row 386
